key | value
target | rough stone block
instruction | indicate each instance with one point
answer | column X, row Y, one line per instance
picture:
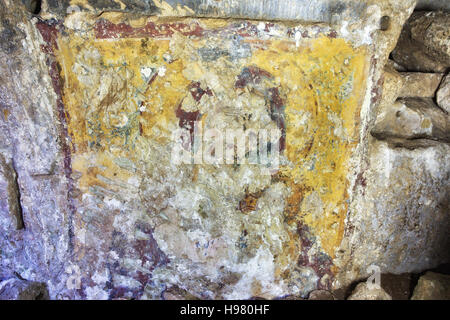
column 393, row 83
column 432, row 5
column 404, row 227
column 411, row 119
column 432, row 31
column 420, row 50
column 419, row 84
column 10, row 207
column 321, row 295
column 363, row 292
column 15, row 289
column 432, row 286
column 443, row 94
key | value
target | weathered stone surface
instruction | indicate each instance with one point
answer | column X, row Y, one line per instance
column 403, row 192
column 320, row 295
column 325, row 11
column 432, row 31
column 290, row 297
column 114, row 162
column 176, row 293
column 432, row 5
column 31, row 143
column 395, row 65
column 98, row 96
column 419, row 84
column 258, row 75
column 421, row 50
column 393, row 83
column 16, row 289
column 363, row 292
column 404, row 228
column 412, row 119
column 10, row 207
column 443, row 94
column 432, row 286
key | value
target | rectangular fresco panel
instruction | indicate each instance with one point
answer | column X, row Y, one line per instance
column 127, row 85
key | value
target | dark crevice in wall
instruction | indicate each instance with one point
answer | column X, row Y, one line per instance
column 18, row 197
column 34, row 6
column 14, row 196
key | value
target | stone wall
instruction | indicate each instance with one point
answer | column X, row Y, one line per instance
column 93, row 94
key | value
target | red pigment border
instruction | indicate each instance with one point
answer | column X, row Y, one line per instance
column 49, row 32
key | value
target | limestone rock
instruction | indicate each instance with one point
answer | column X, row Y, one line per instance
column 393, row 83
column 432, row 5
column 320, row 295
column 411, row 119
column 363, row 292
column 419, row 84
column 421, row 51
column 443, row 94
column 15, row 289
column 31, row 145
column 176, row 293
column 432, row 286
column 290, row 297
column 10, row 207
column 325, row 11
column 395, row 65
column 405, row 228
column 432, row 31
